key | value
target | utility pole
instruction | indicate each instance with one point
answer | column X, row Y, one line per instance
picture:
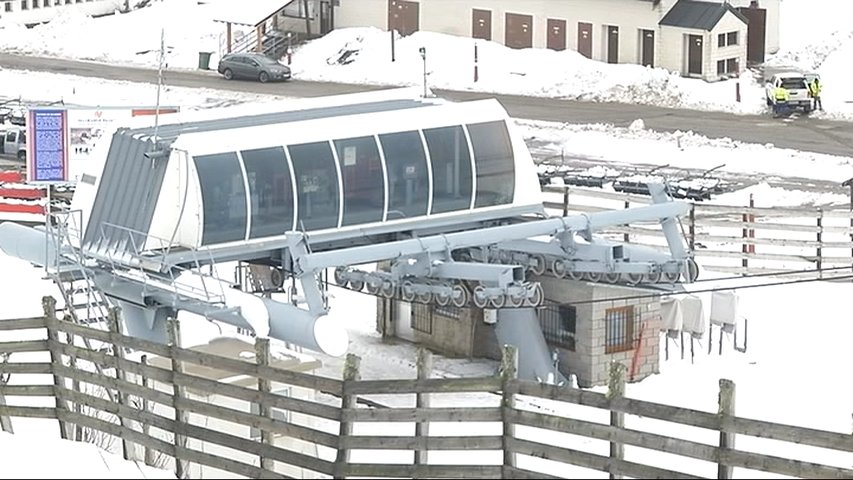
column 159, row 81
column 423, row 57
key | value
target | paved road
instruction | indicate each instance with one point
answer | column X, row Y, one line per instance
column 803, row 133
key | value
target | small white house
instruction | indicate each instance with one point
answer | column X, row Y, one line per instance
column 709, row 39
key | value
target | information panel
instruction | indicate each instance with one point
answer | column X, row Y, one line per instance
column 47, row 146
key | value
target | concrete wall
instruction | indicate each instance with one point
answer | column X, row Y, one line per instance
column 451, row 336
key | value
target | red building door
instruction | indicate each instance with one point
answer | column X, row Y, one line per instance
column 585, row 39
column 481, row 24
column 403, row 16
column 556, row 34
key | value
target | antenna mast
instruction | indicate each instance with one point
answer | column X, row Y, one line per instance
column 159, row 82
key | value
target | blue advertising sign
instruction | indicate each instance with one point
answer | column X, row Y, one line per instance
column 47, row 146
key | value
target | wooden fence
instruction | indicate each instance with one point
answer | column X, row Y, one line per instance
column 735, row 239
column 492, row 427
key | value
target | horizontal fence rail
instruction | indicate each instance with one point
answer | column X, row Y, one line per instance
column 175, row 418
column 731, row 238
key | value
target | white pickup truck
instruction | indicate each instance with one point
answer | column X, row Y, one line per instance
column 14, row 142
column 798, row 90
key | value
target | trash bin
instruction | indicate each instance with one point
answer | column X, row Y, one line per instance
column 204, row 60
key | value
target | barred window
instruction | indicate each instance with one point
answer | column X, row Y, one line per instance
column 620, row 329
column 421, row 319
column 558, row 323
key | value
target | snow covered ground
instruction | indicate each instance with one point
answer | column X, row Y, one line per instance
column 67, row 460
column 799, row 334
column 812, row 39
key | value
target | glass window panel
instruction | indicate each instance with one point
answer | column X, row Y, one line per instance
column 223, row 196
column 495, row 163
column 408, row 179
column 732, row 38
column 721, row 40
column 451, row 169
column 316, row 185
column 364, row 182
column 732, row 65
column 270, row 191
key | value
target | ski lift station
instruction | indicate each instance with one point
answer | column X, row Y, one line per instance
column 434, row 207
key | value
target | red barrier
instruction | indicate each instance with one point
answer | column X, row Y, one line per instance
column 21, row 208
column 22, row 193
column 11, row 177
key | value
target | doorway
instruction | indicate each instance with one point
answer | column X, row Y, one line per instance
column 694, row 54
column 403, row 16
column 556, row 34
column 612, row 44
column 481, row 24
column 647, row 48
column 519, row 30
column 585, row 39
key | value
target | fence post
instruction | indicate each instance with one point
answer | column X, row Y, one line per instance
column 616, row 390
column 727, row 440
column 118, row 352
column 424, row 364
column 148, row 454
column 5, row 420
column 262, row 358
column 348, row 401
column 181, row 418
column 49, row 308
column 819, row 262
column 75, row 385
column 692, row 228
column 626, row 237
column 509, row 374
column 565, row 201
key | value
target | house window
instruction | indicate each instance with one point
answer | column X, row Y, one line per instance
column 46, row 3
column 727, row 39
column 8, row 6
column 558, row 323
column 619, row 329
column 728, row 66
column 732, row 65
column 732, row 38
column 421, row 318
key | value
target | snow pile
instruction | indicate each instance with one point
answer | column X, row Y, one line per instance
column 55, row 458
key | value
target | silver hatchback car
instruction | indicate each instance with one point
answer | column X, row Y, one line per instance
column 255, row 66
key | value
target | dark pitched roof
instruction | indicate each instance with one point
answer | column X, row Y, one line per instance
column 698, row 15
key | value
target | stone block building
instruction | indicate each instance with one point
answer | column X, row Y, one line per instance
column 588, row 325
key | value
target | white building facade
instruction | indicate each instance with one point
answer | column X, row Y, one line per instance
column 613, row 31
column 30, row 12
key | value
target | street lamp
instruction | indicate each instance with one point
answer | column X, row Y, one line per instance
column 423, row 57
